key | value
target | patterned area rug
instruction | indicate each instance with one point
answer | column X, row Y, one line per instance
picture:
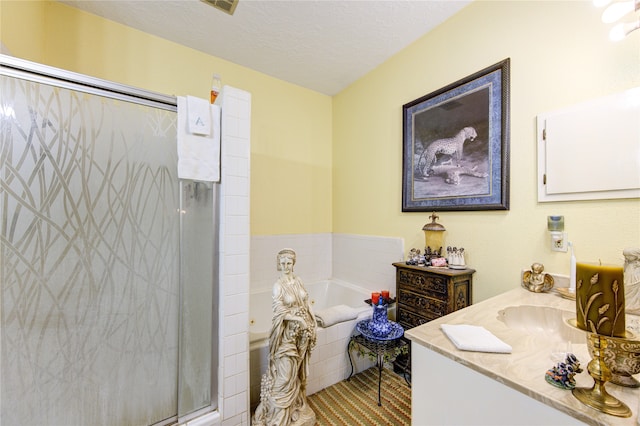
column 355, row 401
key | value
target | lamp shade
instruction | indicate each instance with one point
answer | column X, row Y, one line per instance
column 433, row 235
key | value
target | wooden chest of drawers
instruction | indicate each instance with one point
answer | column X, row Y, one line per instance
column 425, row 293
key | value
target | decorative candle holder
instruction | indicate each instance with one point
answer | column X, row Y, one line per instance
column 622, row 357
column 597, row 396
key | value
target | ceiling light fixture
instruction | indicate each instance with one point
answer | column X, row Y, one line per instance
column 616, row 11
column 621, row 30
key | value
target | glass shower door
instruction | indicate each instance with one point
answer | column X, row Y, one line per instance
column 89, row 268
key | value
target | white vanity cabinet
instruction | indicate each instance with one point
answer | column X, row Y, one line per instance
column 453, row 387
column 445, row 392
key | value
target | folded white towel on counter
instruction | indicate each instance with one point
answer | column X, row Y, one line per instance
column 198, row 155
column 335, row 314
column 474, row 338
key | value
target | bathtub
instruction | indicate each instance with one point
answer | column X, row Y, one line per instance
column 329, row 362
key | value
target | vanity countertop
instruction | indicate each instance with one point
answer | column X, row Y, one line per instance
column 524, row 369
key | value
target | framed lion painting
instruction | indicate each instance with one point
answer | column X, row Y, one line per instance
column 456, row 145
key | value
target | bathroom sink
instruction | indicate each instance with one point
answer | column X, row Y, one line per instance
column 544, row 320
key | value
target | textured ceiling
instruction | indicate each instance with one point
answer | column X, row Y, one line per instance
column 323, row 45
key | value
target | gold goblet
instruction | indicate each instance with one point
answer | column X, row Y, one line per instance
column 622, row 356
column 597, row 396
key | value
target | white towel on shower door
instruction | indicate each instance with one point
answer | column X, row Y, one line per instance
column 198, row 155
column 198, row 116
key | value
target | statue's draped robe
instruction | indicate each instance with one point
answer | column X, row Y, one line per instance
column 290, row 344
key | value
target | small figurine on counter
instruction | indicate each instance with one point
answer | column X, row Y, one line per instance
column 562, row 375
column 535, row 281
column 455, row 257
column 439, row 262
column 414, row 257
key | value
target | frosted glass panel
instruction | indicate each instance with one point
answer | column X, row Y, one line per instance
column 198, row 271
column 89, row 258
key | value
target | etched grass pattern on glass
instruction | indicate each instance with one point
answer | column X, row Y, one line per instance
column 89, row 258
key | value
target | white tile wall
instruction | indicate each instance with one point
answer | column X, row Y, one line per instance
column 234, row 257
column 366, row 260
column 313, row 258
column 329, row 363
column 358, row 259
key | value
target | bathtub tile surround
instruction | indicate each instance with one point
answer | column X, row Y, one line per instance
column 351, row 260
column 313, row 262
column 366, row 261
column 234, row 256
column 330, row 363
column 359, row 259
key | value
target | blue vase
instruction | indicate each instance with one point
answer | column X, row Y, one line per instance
column 380, row 325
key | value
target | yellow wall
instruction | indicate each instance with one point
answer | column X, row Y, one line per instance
column 24, row 21
column 290, row 127
column 560, row 55
column 334, row 165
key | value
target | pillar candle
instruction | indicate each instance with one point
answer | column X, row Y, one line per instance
column 375, row 297
column 600, row 299
column 385, row 295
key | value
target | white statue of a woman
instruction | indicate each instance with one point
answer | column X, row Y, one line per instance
column 632, row 280
column 283, row 399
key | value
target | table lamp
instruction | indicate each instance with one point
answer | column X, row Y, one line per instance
column 433, row 237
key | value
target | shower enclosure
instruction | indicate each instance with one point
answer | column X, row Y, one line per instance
column 107, row 259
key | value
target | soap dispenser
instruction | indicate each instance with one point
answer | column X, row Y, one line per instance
column 215, row 87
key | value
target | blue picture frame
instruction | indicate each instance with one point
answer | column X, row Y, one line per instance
column 456, row 145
